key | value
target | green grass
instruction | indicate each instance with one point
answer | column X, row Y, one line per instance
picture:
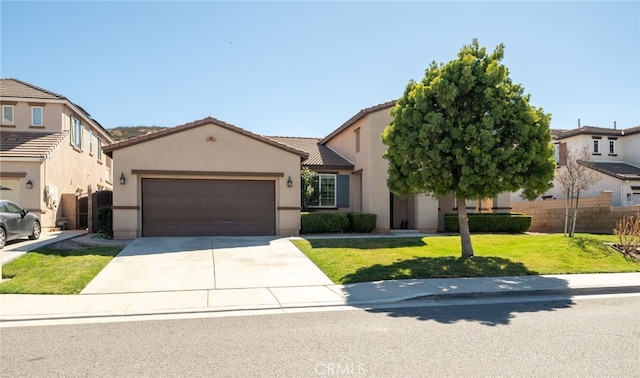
column 373, row 259
column 55, row 271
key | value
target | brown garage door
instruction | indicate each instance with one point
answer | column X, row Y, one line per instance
column 172, row 207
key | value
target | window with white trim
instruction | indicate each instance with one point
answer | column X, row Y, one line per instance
column 7, row 114
column 76, row 132
column 36, row 116
column 612, row 146
column 325, row 191
column 90, row 142
column 596, row 146
column 99, row 149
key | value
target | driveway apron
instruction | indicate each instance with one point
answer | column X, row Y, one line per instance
column 154, row 264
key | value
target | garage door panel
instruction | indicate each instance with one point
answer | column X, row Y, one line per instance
column 208, row 207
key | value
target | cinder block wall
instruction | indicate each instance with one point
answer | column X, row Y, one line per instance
column 595, row 214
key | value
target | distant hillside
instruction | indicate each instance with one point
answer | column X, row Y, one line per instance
column 126, row 132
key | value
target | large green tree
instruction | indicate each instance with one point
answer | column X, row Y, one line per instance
column 466, row 129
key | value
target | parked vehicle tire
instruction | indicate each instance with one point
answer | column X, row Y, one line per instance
column 3, row 237
column 35, row 234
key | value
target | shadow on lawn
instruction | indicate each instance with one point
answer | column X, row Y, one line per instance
column 440, row 267
column 86, row 251
column 367, row 243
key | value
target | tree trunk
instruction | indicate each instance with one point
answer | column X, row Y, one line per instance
column 575, row 214
column 566, row 214
column 463, row 222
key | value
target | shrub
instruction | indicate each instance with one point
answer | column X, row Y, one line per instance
column 105, row 220
column 492, row 222
column 628, row 232
column 312, row 223
column 359, row 222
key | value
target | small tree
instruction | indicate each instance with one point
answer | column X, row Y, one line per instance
column 575, row 176
column 308, row 180
column 628, row 232
column 467, row 130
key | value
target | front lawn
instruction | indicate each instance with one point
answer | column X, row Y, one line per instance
column 348, row 260
column 55, row 271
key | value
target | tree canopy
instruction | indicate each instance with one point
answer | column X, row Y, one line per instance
column 466, row 129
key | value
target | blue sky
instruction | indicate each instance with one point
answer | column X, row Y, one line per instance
column 304, row 68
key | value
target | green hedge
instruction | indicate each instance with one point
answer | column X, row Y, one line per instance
column 360, row 222
column 314, row 223
column 492, row 222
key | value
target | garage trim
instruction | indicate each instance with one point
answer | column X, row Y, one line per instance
column 205, row 173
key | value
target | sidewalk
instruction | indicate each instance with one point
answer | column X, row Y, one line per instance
column 48, row 307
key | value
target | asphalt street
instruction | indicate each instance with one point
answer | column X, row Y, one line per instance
column 580, row 336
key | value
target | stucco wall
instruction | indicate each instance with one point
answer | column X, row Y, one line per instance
column 632, row 149
column 215, row 153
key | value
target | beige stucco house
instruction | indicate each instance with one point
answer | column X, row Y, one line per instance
column 206, row 177
column 209, row 177
column 51, row 155
column 613, row 153
column 349, row 160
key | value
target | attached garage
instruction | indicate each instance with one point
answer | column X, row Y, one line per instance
column 178, row 207
column 205, row 178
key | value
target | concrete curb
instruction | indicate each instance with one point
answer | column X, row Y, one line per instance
column 283, row 308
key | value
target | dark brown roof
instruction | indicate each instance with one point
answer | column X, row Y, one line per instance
column 320, row 156
column 18, row 88
column 357, row 117
column 622, row 171
column 191, row 125
column 30, row 144
column 593, row 130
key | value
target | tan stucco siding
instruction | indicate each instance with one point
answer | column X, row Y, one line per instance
column 630, row 149
column 373, row 190
column 205, row 152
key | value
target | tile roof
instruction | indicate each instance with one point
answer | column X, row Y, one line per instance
column 362, row 113
column 619, row 170
column 319, row 155
column 108, row 149
column 11, row 87
column 17, row 88
column 30, row 144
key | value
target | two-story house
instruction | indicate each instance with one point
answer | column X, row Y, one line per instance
column 352, row 177
column 613, row 153
column 51, row 155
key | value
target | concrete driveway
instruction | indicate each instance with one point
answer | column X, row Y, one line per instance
column 202, row 263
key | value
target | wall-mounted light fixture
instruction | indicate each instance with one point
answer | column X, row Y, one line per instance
column 29, row 184
column 289, row 182
column 123, row 180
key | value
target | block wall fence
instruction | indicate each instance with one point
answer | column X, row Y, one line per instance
column 595, row 214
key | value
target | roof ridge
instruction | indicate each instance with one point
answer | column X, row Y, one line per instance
column 363, row 112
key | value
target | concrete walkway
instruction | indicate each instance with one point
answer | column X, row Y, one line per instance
column 149, row 278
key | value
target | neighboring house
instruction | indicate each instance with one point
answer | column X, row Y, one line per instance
column 613, row 153
column 51, row 155
column 206, row 177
